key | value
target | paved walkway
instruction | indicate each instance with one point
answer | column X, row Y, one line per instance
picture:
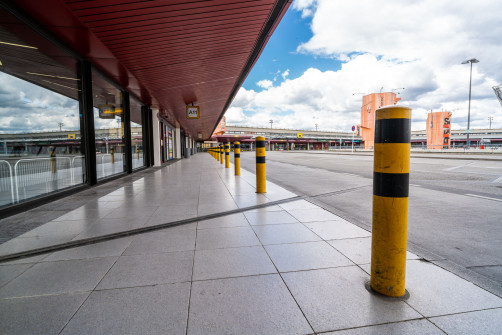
column 291, row 268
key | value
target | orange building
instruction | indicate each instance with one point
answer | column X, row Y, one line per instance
column 371, row 103
column 438, row 130
column 221, row 127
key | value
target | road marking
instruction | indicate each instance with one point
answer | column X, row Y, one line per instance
column 415, row 185
column 458, row 167
column 498, row 180
column 479, row 196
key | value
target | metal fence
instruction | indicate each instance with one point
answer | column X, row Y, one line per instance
column 29, row 177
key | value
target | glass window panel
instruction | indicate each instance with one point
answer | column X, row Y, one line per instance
column 136, row 134
column 108, row 127
column 40, row 141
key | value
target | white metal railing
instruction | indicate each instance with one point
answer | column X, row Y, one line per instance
column 29, row 177
column 48, row 172
column 6, row 182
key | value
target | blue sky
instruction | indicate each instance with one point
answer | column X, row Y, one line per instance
column 280, row 54
column 333, row 49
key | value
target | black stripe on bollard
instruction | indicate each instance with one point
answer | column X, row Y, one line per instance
column 260, row 144
column 394, row 185
column 393, row 131
column 237, row 155
column 260, row 160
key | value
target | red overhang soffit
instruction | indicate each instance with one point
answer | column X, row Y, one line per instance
column 169, row 53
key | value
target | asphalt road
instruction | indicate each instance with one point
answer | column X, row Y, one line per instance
column 455, row 205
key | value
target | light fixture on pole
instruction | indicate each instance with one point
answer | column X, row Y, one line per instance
column 490, row 118
column 472, row 60
column 316, row 125
column 271, row 122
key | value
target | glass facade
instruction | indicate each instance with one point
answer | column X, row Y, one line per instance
column 40, row 138
column 137, row 146
column 108, row 127
column 47, row 143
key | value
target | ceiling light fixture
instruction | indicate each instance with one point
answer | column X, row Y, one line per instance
column 48, row 75
column 18, row 45
column 71, row 88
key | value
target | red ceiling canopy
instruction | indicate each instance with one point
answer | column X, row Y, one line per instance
column 169, row 53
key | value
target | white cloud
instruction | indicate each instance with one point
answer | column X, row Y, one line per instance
column 265, row 83
column 418, row 45
column 285, row 74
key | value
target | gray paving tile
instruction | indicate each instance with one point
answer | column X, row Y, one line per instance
column 434, row 291
column 218, row 238
column 336, row 298
column 297, row 205
column 27, row 243
column 245, row 305
column 9, row 272
column 474, row 323
column 305, row 256
column 358, row 250
column 160, row 309
column 312, row 214
column 153, row 269
column 38, row 315
column 131, row 212
column 413, row 327
column 136, row 221
column 27, row 260
column 234, row 220
column 58, row 277
column 232, row 262
column 274, row 208
column 339, row 229
column 285, row 233
column 109, row 228
column 84, row 213
column 57, row 227
column 103, row 249
column 263, row 218
column 166, row 240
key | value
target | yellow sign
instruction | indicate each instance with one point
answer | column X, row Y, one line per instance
column 299, row 135
column 72, row 136
column 193, row 112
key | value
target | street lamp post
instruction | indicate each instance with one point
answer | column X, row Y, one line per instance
column 472, row 60
column 490, row 118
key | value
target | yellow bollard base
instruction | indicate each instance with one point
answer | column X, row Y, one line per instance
column 403, row 297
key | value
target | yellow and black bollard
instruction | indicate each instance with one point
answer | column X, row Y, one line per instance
column 227, row 155
column 237, row 158
column 261, row 174
column 222, row 154
column 390, row 200
column 112, row 156
column 137, row 154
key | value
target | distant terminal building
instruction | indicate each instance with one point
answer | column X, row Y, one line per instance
column 288, row 139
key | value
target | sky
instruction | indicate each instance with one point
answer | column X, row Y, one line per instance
column 326, row 54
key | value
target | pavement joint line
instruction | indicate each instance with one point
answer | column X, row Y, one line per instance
column 482, row 197
column 137, row 231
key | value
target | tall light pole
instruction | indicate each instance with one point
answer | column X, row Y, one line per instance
column 490, row 118
column 472, row 60
column 271, row 122
column 316, row 126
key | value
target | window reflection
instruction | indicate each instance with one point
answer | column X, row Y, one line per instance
column 108, row 127
column 136, row 134
column 40, row 141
